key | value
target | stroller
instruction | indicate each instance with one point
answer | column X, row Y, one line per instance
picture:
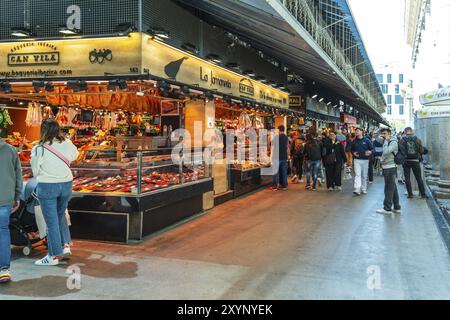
column 23, row 226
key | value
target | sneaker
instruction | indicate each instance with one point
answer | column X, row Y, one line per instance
column 356, row 192
column 364, row 192
column 397, row 211
column 314, row 189
column 283, row 189
column 382, row 211
column 273, row 188
column 307, row 187
column 330, row 189
column 67, row 252
column 339, row 188
column 300, row 181
column 370, row 182
column 294, row 178
column 5, row 276
column 410, row 196
column 47, row 261
column 401, row 182
column 424, row 197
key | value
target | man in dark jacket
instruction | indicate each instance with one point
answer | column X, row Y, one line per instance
column 362, row 150
column 11, row 189
column 414, row 152
column 313, row 156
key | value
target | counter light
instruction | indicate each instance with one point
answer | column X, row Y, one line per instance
column 69, row 32
column 21, row 32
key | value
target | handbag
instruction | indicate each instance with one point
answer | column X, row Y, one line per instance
column 57, row 153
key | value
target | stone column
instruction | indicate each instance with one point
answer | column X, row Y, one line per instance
column 435, row 142
column 428, row 138
column 444, row 148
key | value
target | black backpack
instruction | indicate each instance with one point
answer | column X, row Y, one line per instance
column 401, row 156
column 412, row 150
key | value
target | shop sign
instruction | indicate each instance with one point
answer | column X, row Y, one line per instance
column 433, row 112
column 164, row 61
column 70, row 58
column 296, row 101
column 438, row 97
column 345, row 118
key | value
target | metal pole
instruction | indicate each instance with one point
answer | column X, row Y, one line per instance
column 139, row 172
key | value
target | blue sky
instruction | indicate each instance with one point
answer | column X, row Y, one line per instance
column 382, row 27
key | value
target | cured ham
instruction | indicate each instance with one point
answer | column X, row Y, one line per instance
column 34, row 115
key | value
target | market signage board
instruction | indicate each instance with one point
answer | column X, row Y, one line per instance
column 434, row 112
column 345, row 118
column 438, row 97
column 168, row 62
column 71, row 58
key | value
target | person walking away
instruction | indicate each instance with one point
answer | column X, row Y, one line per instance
column 280, row 177
column 50, row 162
column 362, row 150
column 313, row 156
column 334, row 160
column 11, row 178
column 297, row 156
column 414, row 151
column 348, row 151
column 390, row 149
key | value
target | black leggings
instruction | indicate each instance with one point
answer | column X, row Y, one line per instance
column 334, row 175
column 297, row 167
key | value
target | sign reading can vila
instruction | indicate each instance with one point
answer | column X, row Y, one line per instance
column 76, row 57
column 164, row 61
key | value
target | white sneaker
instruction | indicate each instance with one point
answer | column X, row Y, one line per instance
column 382, row 211
column 300, row 181
column 356, row 192
column 294, row 178
column 67, row 252
column 330, row 189
column 397, row 211
column 5, row 276
column 47, row 261
column 364, row 192
column 339, row 188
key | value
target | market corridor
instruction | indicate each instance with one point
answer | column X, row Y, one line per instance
column 268, row 245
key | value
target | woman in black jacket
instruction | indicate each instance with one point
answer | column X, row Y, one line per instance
column 334, row 159
column 297, row 155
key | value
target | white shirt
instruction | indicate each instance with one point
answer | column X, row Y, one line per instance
column 48, row 168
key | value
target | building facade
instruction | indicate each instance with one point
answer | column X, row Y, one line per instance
column 428, row 35
column 397, row 88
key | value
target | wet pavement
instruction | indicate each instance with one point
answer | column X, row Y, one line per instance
column 268, row 245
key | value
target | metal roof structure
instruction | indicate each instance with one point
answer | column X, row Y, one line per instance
column 317, row 39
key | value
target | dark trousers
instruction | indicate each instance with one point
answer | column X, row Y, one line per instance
column 281, row 176
column 334, row 175
column 371, row 163
column 297, row 167
column 415, row 166
column 391, row 197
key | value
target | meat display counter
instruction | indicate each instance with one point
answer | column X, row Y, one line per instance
column 125, row 195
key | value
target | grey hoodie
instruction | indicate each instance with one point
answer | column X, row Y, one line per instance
column 390, row 149
column 10, row 175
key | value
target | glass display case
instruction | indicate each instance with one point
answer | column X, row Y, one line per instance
column 125, row 195
column 130, row 172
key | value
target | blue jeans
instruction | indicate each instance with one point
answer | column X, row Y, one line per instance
column 281, row 175
column 5, row 237
column 315, row 166
column 54, row 198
